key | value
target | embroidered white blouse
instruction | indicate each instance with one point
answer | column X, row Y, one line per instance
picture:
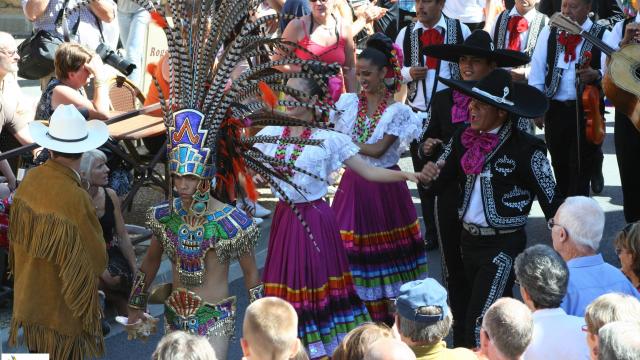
column 321, row 161
column 398, row 119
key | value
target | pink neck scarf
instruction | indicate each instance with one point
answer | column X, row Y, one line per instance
column 478, row 145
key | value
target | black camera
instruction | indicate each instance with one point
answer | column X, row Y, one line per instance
column 110, row 57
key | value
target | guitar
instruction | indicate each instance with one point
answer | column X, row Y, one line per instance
column 621, row 83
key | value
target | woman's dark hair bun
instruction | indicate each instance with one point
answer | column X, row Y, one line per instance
column 381, row 42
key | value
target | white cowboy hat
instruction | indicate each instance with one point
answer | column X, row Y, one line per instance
column 69, row 132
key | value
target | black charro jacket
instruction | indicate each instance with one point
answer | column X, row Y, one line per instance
column 514, row 174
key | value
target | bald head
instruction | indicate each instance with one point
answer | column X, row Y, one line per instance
column 389, row 349
column 509, row 325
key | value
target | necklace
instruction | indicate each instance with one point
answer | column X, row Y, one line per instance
column 281, row 150
column 363, row 129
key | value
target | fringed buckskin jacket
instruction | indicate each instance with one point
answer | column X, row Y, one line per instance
column 56, row 255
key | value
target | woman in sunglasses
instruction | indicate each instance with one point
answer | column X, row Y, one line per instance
column 325, row 35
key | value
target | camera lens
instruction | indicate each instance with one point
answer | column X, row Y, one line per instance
column 112, row 58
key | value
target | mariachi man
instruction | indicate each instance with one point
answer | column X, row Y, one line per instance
column 476, row 57
column 500, row 171
column 626, row 136
column 421, row 73
column 556, row 67
column 517, row 29
column 606, row 13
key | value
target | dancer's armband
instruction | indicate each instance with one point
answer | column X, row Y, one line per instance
column 138, row 297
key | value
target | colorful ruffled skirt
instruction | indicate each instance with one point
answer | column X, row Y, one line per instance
column 380, row 231
column 313, row 275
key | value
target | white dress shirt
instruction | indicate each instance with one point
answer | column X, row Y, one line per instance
column 467, row 11
column 419, row 101
column 557, row 335
column 524, row 36
column 614, row 37
column 567, row 88
column 475, row 210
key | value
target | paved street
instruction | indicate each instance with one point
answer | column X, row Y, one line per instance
column 611, row 200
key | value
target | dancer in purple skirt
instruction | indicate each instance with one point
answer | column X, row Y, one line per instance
column 378, row 222
column 307, row 265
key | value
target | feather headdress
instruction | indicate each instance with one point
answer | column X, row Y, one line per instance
column 206, row 113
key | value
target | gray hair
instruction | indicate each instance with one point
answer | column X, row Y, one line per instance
column 426, row 333
column 583, row 219
column 619, row 340
column 609, row 308
column 543, row 273
column 509, row 324
column 88, row 161
column 179, row 345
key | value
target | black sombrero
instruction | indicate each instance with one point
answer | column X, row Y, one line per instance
column 498, row 90
column 478, row 44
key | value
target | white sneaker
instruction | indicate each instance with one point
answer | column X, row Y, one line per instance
column 260, row 211
column 254, row 209
column 258, row 221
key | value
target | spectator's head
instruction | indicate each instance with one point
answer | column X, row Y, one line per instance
column 358, row 340
column 389, row 349
column 422, row 313
column 302, row 352
column 374, row 63
column 619, row 340
column 8, row 54
column 70, row 61
column 543, row 277
column 93, row 168
column 605, row 309
column 322, row 9
column 69, row 135
column 429, row 12
column 577, row 227
column 627, row 245
column 270, row 330
column 524, row 6
column 577, row 10
column 507, row 328
column 179, row 345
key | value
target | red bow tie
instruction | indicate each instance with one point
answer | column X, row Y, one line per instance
column 431, row 37
column 570, row 42
column 517, row 25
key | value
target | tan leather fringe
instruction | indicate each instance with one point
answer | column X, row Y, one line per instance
column 58, row 346
column 55, row 239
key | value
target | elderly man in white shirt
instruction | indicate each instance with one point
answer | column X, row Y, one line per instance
column 543, row 277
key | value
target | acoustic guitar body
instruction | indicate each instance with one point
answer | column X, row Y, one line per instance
column 621, row 84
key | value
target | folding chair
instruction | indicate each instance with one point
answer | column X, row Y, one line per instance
column 125, row 96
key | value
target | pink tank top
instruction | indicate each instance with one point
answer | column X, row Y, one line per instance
column 329, row 54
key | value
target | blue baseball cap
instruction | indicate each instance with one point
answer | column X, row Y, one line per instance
column 421, row 293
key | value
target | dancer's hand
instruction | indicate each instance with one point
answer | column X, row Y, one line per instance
column 134, row 316
column 429, row 145
column 413, row 177
column 431, row 171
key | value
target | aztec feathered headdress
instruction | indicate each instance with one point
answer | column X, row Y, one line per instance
column 206, row 41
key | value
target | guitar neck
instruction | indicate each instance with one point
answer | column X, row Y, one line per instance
column 597, row 42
